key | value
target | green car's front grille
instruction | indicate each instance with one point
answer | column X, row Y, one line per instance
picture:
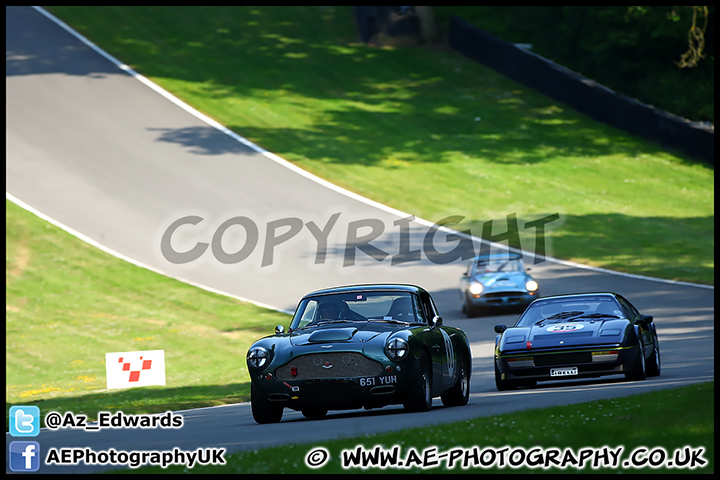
column 329, row 365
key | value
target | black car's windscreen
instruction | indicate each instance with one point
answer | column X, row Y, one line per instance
column 561, row 310
column 358, row 307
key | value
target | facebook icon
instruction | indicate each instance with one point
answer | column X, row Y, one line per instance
column 24, row 456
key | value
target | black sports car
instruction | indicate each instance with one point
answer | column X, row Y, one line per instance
column 574, row 336
column 362, row 346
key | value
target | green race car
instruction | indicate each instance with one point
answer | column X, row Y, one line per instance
column 361, row 346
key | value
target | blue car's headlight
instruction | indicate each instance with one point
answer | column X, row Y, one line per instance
column 257, row 357
column 396, row 349
column 476, row 288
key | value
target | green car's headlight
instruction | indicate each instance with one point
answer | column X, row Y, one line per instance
column 257, row 357
column 396, row 349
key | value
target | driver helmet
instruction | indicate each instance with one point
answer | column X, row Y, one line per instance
column 330, row 309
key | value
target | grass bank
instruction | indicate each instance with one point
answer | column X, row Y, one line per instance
column 67, row 304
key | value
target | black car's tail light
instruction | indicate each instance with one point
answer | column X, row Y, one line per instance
column 605, row 356
column 521, row 362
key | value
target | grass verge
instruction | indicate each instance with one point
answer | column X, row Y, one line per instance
column 67, row 304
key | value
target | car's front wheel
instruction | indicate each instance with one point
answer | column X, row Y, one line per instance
column 314, row 413
column 469, row 309
column 653, row 364
column 419, row 397
column 503, row 385
column 459, row 394
column 264, row 411
column 639, row 371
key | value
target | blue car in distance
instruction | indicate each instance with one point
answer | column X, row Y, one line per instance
column 495, row 282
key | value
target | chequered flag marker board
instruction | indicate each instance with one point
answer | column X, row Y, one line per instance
column 135, row 369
